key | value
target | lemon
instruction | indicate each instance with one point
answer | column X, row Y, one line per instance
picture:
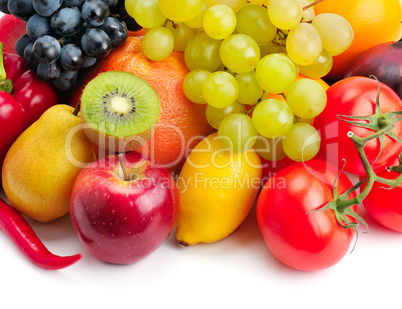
column 217, row 190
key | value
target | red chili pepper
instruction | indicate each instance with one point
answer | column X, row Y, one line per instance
column 23, row 98
column 24, row 237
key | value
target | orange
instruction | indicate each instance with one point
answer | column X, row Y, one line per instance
column 182, row 123
column 373, row 22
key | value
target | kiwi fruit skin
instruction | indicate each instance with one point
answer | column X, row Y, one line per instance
column 115, row 143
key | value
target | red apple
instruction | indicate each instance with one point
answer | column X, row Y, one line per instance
column 123, row 208
column 12, row 29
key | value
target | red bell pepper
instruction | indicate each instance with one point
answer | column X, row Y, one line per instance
column 23, row 99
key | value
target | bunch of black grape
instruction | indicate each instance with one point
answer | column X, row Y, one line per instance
column 64, row 36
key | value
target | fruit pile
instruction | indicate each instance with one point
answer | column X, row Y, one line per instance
column 220, row 106
column 242, row 53
column 65, row 36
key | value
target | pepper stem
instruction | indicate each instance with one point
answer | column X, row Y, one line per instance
column 5, row 84
column 3, row 74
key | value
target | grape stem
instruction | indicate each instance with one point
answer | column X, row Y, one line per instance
column 312, row 4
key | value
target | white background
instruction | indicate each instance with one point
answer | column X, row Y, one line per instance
column 238, row 271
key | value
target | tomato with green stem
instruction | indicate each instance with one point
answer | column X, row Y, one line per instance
column 294, row 230
column 360, row 105
column 383, row 203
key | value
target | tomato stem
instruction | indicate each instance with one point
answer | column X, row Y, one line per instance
column 372, row 177
column 382, row 124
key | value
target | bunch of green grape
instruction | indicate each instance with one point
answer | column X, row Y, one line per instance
column 241, row 54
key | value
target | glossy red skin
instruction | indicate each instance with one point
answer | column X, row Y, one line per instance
column 118, row 221
column 270, row 168
column 29, row 99
column 356, row 96
column 12, row 29
column 12, row 122
column 301, row 240
column 15, row 226
column 385, row 205
column 34, row 95
column 14, row 65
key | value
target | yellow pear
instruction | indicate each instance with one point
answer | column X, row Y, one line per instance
column 41, row 166
column 217, row 189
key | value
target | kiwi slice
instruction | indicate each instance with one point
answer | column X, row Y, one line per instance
column 118, row 110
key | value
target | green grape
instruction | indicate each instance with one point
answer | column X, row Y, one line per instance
column 192, row 85
column 271, row 48
column 285, row 14
column 237, row 132
column 335, row 31
column 269, row 148
column 275, row 73
column 301, row 142
column 129, row 6
column 249, row 89
column 306, row 98
column 295, row 64
column 253, row 20
column 308, row 14
column 320, row 67
column 146, row 13
column 180, row 10
column 220, row 89
column 181, row 34
column 157, row 43
column 216, row 115
column 196, row 22
column 272, row 118
column 265, row 96
column 304, row 120
column 303, row 44
column 202, row 52
column 219, row 21
column 259, row 2
column 239, row 53
column 235, row 5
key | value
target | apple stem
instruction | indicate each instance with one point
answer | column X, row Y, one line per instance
column 120, row 157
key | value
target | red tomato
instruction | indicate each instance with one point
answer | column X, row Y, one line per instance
column 270, row 168
column 356, row 96
column 305, row 241
column 384, row 205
